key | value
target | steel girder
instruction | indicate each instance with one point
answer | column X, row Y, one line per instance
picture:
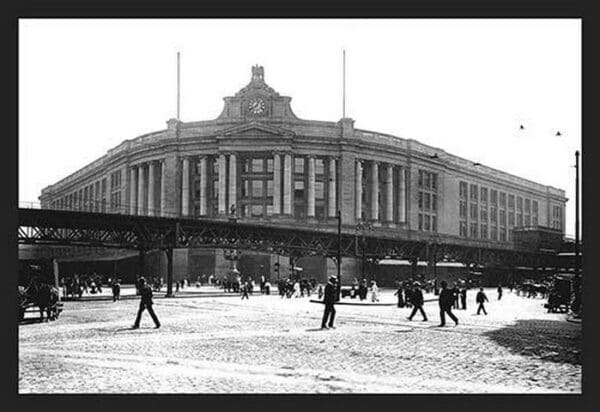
column 40, row 226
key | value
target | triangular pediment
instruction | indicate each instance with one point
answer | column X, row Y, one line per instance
column 256, row 129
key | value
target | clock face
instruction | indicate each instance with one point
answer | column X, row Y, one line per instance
column 256, row 106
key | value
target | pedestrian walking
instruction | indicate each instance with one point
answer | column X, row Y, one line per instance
column 362, row 290
column 463, row 298
column 399, row 293
column 244, row 290
column 480, row 299
column 329, row 300
column 116, row 290
column 374, row 292
column 145, row 303
column 446, row 301
column 499, row 292
column 417, row 301
column 456, row 294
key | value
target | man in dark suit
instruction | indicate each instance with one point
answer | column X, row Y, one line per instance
column 417, row 301
column 446, row 301
column 329, row 299
column 145, row 303
column 481, row 298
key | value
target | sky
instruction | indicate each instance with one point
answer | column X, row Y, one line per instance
column 463, row 85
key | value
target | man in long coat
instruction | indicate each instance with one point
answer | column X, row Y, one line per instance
column 145, row 303
column 329, row 299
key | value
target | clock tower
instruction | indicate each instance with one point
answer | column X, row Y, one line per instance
column 257, row 101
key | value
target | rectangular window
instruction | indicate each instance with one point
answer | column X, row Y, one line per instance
column 527, row 220
column 434, row 181
column 527, row 205
column 519, row 219
column 426, row 180
column 319, row 166
column 298, row 165
column 502, row 234
column 269, row 167
column 257, row 189
column 463, row 188
column 510, row 235
column 502, row 218
column 434, row 223
column 427, row 222
column 493, row 197
column 484, row 194
column 511, row 201
column 434, row 203
column 534, row 220
column 215, row 189
column 494, row 233
column 463, row 209
column 245, row 188
column 493, row 214
column 474, row 193
column 319, row 190
column 483, row 214
column 420, row 221
column 535, row 207
column 473, row 232
column 427, row 203
column 257, row 165
column 269, row 210
column 474, row 211
column 421, row 194
column 511, row 218
column 420, row 178
column 483, row 231
column 462, row 228
column 519, row 203
column 269, row 188
column 246, row 165
column 502, row 199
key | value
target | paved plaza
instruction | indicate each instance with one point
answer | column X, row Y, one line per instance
column 221, row 344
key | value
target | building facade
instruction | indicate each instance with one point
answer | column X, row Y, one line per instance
column 261, row 163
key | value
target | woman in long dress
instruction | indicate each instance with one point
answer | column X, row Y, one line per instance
column 374, row 292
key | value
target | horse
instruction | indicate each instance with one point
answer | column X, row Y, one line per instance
column 43, row 295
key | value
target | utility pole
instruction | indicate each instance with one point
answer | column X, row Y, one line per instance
column 339, row 253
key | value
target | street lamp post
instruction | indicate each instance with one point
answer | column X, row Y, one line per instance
column 339, row 253
column 362, row 226
column 576, row 302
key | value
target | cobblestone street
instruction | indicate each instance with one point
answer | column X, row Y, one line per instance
column 271, row 345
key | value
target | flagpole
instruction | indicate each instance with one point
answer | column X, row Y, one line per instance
column 344, row 85
column 178, row 81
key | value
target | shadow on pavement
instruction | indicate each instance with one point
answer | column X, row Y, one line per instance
column 316, row 330
column 551, row 340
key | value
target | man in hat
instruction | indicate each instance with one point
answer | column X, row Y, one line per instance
column 446, row 301
column 481, row 298
column 417, row 301
column 329, row 300
column 145, row 303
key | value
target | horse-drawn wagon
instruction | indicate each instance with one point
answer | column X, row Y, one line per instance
column 559, row 297
column 38, row 293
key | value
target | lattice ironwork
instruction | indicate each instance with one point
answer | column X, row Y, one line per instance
column 40, row 226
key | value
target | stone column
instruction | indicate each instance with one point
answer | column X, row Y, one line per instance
column 358, row 184
column 374, row 190
column 185, row 187
column 311, row 187
column 402, row 195
column 232, row 182
column 287, row 184
column 203, row 188
column 133, row 190
column 276, row 184
column 222, row 184
column 141, row 186
column 389, row 200
column 163, row 188
column 151, row 188
column 331, row 201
